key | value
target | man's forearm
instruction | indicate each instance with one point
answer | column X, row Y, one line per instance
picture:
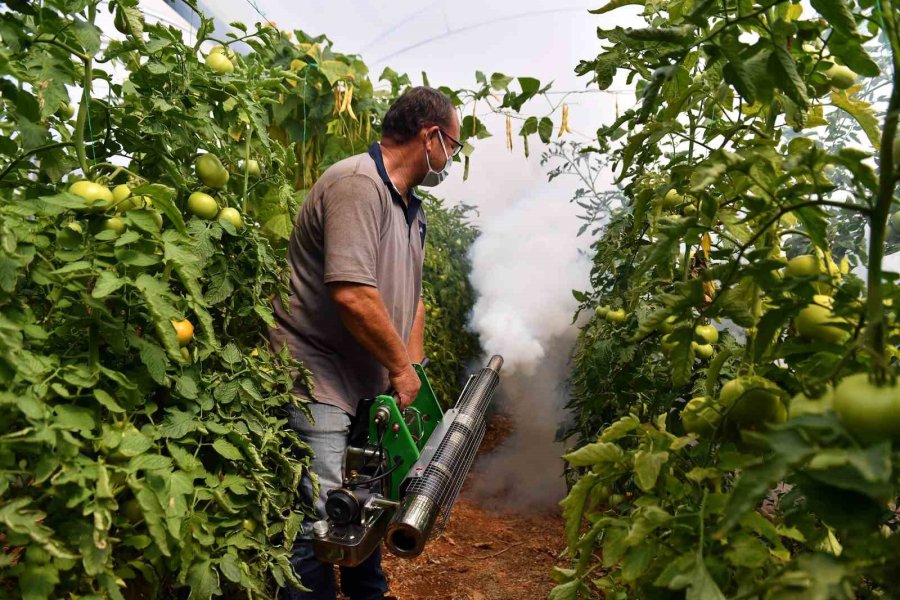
column 416, row 346
column 362, row 311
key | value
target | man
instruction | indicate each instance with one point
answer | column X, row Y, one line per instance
column 356, row 318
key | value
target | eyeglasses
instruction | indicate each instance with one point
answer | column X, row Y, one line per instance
column 458, row 146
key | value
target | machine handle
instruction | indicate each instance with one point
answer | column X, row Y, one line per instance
column 390, row 390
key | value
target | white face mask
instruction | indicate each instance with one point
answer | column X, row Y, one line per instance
column 432, row 177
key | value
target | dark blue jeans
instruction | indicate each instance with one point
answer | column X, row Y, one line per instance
column 327, row 438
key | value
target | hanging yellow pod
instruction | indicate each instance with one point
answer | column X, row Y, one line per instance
column 562, row 123
column 348, row 99
column 348, row 96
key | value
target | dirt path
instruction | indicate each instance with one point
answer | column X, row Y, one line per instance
column 483, row 554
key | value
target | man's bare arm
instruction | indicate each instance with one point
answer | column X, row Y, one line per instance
column 363, row 313
column 416, row 346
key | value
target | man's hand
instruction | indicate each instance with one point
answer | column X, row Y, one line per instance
column 406, row 385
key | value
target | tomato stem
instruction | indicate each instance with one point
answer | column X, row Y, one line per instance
column 246, row 169
column 31, row 152
column 84, row 105
column 881, row 212
column 117, row 169
column 93, row 346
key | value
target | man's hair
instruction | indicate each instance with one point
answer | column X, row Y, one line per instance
column 416, row 108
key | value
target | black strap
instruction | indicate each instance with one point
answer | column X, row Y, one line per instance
column 359, row 424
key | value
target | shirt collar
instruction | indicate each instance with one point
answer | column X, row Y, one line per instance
column 414, row 201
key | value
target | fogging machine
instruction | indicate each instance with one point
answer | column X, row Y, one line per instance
column 403, row 470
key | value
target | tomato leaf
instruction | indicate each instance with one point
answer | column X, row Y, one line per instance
column 751, row 487
column 158, row 300
column 573, row 506
column 863, row 112
column 565, row 591
column 593, row 454
column 37, row 582
column 614, row 4
column 134, row 443
column 647, row 466
column 107, row 401
column 227, row 450
column 106, row 284
column 838, row 15
column 702, row 586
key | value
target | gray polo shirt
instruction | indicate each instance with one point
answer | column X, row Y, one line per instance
column 353, row 227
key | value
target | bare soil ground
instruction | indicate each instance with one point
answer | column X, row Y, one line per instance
column 483, row 554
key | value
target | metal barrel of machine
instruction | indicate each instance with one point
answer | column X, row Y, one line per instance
column 426, row 504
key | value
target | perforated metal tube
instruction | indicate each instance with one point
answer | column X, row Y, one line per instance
column 428, row 500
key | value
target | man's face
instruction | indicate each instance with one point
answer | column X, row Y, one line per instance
column 441, row 142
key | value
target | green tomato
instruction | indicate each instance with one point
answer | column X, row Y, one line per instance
column 706, row 334
column 120, row 192
column 700, row 416
column 130, row 203
column 841, row 77
column 751, row 400
column 249, row 525
column 805, row 265
column 801, row 404
column 868, row 411
column 672, row 199
column 115, row 224
column 601, row 311
column 132, row 511
column 210, row 169
column 253, row 169
column 66, row 111
column 203, row 205
column 616, row 316
column 219, row 49
column 895, row 220
column 808, row 265
column 817, row 322
column 689, row 210
column 781, row 414
column 219, row 63
column 91, row 192
column 703, row 351
column 232, row 216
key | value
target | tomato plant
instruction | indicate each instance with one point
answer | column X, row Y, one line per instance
column 448, row 296
column 690, row 479
column 143, row 447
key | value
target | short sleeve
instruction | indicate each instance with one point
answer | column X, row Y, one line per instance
column 353, row 218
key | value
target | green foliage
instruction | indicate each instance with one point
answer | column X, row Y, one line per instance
column 129, row 466
column 722, row 176
column 448, row 296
